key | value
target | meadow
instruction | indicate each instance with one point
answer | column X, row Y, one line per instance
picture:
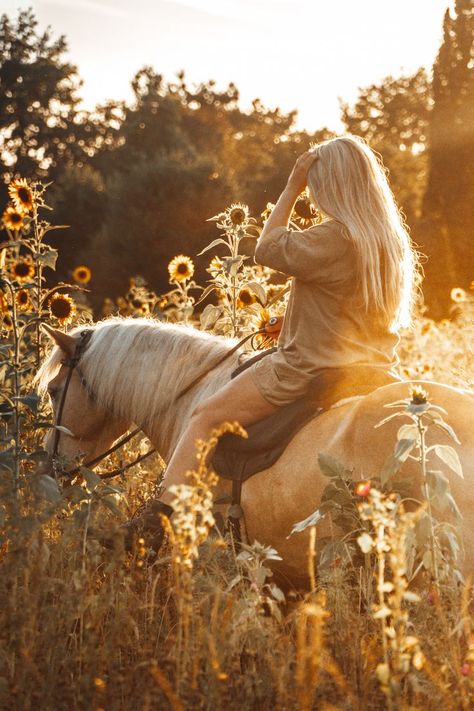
column 205, row 625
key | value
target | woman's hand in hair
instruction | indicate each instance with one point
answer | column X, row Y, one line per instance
column 299, row 174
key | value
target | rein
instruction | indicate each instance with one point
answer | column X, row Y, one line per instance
column 72, row 363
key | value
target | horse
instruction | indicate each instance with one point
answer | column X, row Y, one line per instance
column 133, row 370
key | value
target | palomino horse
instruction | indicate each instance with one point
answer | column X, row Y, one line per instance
column 132, row 371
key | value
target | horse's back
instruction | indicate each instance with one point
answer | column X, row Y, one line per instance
column 290, row 490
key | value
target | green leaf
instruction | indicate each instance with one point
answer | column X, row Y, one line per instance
column 208, row 290
column 212, row 244
column 450, row 457
column 403, row 448
column 312, row 520
column 48, row 489
column 91, row 478
column 48, row 258
column 408, row 432
column 258, row 290
column 332, row 468
column 209, row 316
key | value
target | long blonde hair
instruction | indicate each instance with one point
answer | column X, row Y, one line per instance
column 348, row 182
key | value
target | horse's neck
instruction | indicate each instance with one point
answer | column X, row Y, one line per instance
column 179, row 412
column 152, row 371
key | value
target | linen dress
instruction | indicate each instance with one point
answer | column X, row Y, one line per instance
column 326, row 324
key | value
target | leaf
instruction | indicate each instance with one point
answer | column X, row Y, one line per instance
column 450, row 457
column 31, row 401
column 277, row 593
column 403, row 449
column 332, row 468
column 453, row 506
column 438, row 421
column 258, row 290
column 312, row 520
column 390, row 417
column 48, row 489
column 209, row 316
column 48, row 258
column 390, row 467
column 408, row 432
column 63, row 429
column 208, row 290
column 365, row 542
column 91, row 478
column 214, row 243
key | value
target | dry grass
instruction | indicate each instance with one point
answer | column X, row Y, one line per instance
column 205, row 626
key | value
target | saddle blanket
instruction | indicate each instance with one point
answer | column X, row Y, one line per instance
column 238, row 459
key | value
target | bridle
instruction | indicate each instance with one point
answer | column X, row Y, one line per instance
column 72, row 363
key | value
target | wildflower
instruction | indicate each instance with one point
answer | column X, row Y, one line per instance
column 458, row 295
column 23, row 300
column 21, row 194
column 180, row 268
column 419, row 396
column 23, row 270
column 466, row 669
column 62, row 307
column 13, row 219
column 245, row 298
column 82, row 275
column 363, row 488
column 304, row 208
column 238, row 214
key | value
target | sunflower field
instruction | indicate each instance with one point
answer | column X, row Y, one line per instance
column 204, row 625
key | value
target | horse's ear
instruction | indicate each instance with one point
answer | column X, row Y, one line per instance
column 66, row 342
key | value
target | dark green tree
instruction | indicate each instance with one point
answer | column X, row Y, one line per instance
column 447, row 233
column 393, row 116
column 40, row 125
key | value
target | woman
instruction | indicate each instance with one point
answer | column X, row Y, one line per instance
column 353, row 287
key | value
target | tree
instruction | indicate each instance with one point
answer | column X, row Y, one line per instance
column 40, row 126
column 448, row 211
column 393, row 117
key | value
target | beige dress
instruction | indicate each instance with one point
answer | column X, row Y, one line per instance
column 326, row 324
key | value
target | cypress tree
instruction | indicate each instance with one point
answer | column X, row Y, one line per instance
column 448, row 208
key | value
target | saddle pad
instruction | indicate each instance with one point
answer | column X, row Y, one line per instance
column 238, row 459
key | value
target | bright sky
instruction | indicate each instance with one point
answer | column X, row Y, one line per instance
column 295, row 54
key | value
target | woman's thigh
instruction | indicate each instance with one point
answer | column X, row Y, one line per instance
column 240, row 400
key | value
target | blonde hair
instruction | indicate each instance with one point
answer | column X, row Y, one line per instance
column 348, row 183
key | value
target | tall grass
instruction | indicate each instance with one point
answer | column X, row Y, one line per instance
column 205, row 625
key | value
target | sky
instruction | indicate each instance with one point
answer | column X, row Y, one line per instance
column 294, row 54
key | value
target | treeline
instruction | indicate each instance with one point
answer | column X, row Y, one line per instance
column 136, row 182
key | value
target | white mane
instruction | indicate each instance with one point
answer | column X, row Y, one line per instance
column 137, row 367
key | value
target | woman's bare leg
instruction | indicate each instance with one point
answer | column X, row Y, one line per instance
column 239, row 400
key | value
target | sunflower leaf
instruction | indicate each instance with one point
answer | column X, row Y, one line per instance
column 214, row 243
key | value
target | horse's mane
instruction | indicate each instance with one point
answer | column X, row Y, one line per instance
column 137, row 367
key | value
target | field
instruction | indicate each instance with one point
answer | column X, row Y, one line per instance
column 205, row 626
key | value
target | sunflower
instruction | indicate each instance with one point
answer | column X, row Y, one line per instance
column 62, row 307
column 238, row 214
column 23, row 270
column 245, row 298
column 215, row 266
column 7, row 322
column 13, row 219
column 180, row 268
column 3, row 303
column 21, row 194
column 458, row 295
column 268, row 211
column 304, row 212
column 23, row 300
column 82, row 275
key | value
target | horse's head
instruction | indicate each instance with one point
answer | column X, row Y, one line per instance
column 90, row 428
